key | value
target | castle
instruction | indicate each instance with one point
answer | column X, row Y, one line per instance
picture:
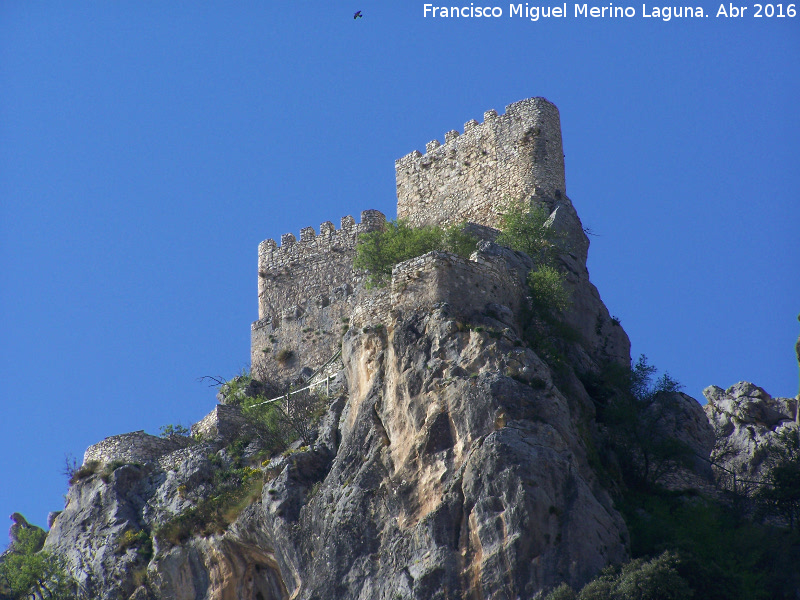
column 309, row 294
column 307, row 288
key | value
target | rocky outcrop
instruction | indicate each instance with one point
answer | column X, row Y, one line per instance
column 451, row 462
column 454, row 464
column 681, row 418
column 462, row 478
column 115, row 506
column 746, row 420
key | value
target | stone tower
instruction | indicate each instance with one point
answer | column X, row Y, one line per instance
column 509, row 157
column 307, row 289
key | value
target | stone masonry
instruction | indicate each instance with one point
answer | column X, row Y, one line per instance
column 134, row 447
column 510, row 157
column 306, row 288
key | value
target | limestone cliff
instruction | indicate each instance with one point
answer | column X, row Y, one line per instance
column 452, row 465
column 746, row 420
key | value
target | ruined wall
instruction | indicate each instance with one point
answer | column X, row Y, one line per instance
column 516, row 155
column 467, row 286
column 306, row 288
column 135, row 447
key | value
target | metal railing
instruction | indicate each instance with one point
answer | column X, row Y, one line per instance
column 314, row 384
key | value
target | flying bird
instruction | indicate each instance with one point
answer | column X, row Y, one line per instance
column 358, row 15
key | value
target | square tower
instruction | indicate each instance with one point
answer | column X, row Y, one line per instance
column 509, row 157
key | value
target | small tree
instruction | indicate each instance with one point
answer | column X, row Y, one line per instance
column 780, row 493
column 26, row 570
column 637, row 413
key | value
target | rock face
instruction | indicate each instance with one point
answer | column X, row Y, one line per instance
column 453, row 466
column 685, row 421
column 458, row 478
column 746, row 419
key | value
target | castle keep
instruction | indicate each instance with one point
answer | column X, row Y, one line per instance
column 507, row 157
column 307, row 288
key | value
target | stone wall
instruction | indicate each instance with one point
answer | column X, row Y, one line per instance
column 517, row 155
column 306, row 291
column 466, row 285
column 135, row 447
column 223, row 422
column 469, row 286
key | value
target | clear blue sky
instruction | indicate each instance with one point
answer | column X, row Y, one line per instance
column 146, row 148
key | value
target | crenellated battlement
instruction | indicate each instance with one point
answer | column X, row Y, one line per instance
column 514, row 156
column 290, row 274
column 307, row 286
column 272, row 255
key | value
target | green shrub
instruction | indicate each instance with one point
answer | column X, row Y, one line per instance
column 235, row 489
column 168, row 430
column 634, row 409
column 548, row 290
column 85, row 471
column 656, row 579
column 780, row 496
column 379, row 251
column 724, row 556
column 140, row 540
column 528, row 232
column 543, row 325
column 280, row 423
column 458, row 240
column 234, row 389
column 601, row 587
column 562, row 592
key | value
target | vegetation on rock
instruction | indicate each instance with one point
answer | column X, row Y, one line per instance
column 779, row 496
column 656, row 579
column 721, row 549
column 633, row 407
column 140, row 540
column 378, row 251
column 529, row 232
column 279, row 420
column 234, row 489
column 168, row 430
column 724, row 555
